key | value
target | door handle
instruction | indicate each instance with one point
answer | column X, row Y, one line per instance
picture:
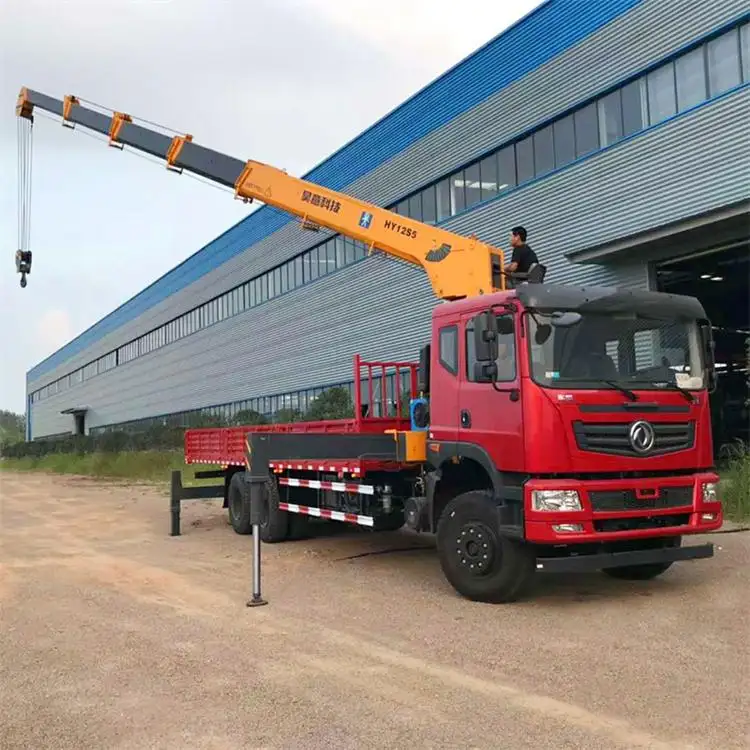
column 465, row 418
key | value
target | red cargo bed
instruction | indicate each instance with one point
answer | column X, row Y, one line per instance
column 226, row 445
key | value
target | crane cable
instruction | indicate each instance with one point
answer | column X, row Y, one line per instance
column 25, row 148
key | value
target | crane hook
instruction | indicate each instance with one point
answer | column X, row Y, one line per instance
column 23, row 265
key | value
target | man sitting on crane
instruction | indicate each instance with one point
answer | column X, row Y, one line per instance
column 523, row 256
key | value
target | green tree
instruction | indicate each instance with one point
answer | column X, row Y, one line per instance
column 335, row 403
column 248, row 417
column 12, row 426
column 285, row 416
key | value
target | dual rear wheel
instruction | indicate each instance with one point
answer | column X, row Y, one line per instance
column 275, row 525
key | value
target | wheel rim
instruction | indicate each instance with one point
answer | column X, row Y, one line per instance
column 476, row 549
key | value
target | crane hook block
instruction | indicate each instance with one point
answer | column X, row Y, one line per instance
column 23, row 264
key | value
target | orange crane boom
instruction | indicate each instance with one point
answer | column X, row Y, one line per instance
column 456, row 266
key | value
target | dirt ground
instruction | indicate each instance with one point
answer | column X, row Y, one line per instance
column 115, row 635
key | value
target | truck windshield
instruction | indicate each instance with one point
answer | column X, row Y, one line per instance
column 610, row 351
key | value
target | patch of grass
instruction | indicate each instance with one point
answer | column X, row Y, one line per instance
column 147, row 466
column 735, row 481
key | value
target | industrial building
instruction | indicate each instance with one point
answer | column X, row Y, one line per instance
column 615, row 131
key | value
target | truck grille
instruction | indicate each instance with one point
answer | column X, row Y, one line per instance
column 641, row 522
column 612, row 438
column 604, row 501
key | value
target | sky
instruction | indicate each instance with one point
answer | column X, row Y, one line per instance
column 286, row 82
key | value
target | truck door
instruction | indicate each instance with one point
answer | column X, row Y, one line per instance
column 444, row 384
column 490, row 416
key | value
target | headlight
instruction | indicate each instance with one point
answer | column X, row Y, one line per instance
column 555, row 500
column 710, row 492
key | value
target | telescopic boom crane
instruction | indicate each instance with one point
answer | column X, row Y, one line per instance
column 457, row 266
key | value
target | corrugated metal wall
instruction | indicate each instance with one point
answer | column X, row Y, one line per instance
column 654, row 178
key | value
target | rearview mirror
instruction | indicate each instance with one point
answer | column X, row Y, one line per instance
column 485, row 336
column 485, row 372
column 565, row 319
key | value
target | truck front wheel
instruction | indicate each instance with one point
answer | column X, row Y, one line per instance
column 479, row 562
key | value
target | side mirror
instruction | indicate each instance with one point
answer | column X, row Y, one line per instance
column 485, row 337
column 565, row 319
column 709, row 356
column 485, row 372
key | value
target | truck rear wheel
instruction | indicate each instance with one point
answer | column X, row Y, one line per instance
column 238, row 503
column 274, row 524
column 648, row 571
column 477, row 560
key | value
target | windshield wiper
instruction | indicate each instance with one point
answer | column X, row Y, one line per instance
column 614, row 384
column 674, row 387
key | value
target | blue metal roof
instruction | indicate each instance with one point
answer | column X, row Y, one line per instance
column 549, row 30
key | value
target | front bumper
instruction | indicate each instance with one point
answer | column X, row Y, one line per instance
column 642, row 518
column 581, row 563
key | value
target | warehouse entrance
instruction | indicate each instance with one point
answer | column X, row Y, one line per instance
column 720, row 279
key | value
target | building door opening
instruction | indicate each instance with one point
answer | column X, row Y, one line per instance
column 720, row 279
column 80, row 423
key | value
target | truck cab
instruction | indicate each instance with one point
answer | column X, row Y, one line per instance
column 580, row 415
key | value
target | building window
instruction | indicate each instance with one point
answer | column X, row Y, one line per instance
column 443, row 200
column 633, row 107
column 488, row 177
column 565, row 141
column 723, row 63
column 472, row 184
column 525, row 160
column 544, row 151
column 587, row 130
column 449, row 349
column 429, row 206
column 415, row 207
column 610, row 118
column 506, row 168
column 690, row 72
column 661, row 94
column 745, row 44
column 458, row 194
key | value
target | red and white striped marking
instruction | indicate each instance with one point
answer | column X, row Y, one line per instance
column 333, row 515
column 317, row 484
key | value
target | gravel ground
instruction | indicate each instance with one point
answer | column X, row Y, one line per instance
column 115, row 635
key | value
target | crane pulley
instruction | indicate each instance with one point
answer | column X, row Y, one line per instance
column 456, row 266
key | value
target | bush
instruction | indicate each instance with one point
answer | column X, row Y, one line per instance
column 735, row 481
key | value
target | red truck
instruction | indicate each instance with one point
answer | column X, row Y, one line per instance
column 549, row 427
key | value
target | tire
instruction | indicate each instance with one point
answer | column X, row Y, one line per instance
column 498, row 572
column 644, row 572
column 238, row 504
column 274, row 524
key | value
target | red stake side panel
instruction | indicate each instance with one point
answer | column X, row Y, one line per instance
column 225, row 446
